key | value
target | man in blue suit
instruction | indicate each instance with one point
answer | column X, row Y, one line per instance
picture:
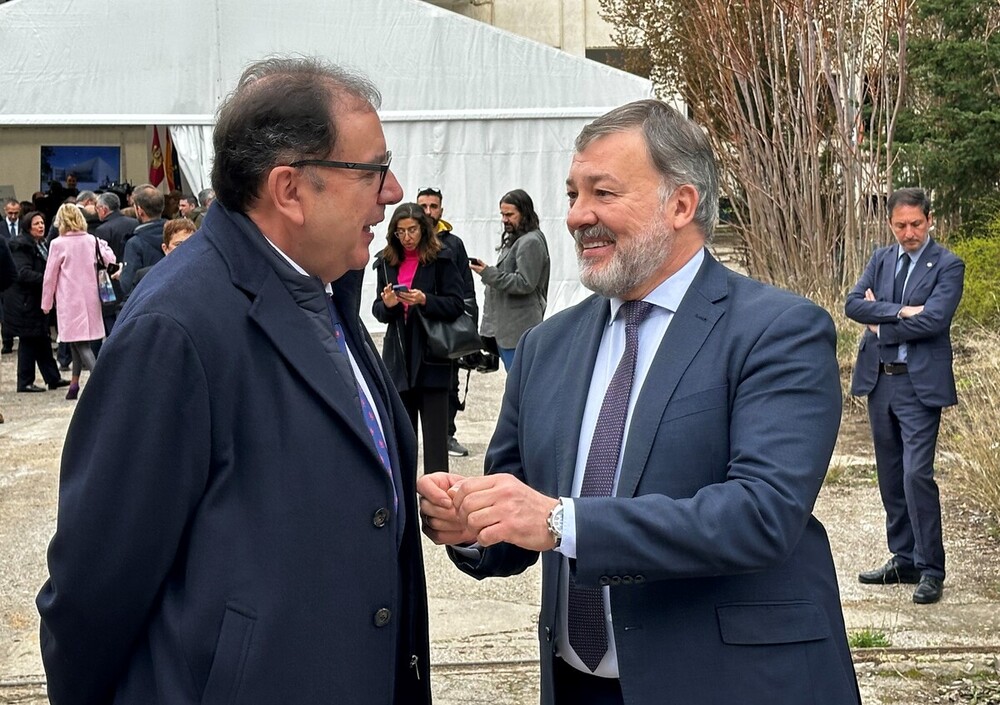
column 237, row 510
column 661, row 446
column 907, row 297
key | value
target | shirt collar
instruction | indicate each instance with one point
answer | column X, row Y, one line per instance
column 671, row 290
column 327, row 287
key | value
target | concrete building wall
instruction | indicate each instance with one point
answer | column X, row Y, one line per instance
column 571, row 25
column 20, row 159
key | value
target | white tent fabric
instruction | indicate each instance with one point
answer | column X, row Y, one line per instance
column 468, row 108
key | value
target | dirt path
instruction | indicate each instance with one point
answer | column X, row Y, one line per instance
column 912, row 672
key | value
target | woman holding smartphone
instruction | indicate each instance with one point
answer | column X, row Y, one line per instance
column 417, row 277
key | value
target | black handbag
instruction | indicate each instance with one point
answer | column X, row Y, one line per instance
column 450, row 340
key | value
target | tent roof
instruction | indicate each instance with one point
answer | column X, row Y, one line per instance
column 82, row 62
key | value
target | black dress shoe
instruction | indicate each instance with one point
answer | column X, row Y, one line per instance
column 929, row 590
column 894, row 571
column 31, row 388
column 60, row 383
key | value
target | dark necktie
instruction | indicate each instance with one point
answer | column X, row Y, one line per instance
column 366, row 408
column 12, row 228
column 900, row 281
column 588, row 633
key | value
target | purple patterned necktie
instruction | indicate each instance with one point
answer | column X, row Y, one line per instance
column 366, row 408
column 588, row 634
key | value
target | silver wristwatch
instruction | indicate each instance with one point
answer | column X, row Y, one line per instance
column 555, row 523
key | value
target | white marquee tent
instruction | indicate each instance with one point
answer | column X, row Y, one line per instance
column 470, row 109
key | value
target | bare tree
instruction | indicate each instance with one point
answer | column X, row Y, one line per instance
column 800, row 99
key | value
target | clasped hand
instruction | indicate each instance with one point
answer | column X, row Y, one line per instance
column 486, row 510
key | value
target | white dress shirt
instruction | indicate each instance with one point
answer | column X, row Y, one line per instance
column 666, row 298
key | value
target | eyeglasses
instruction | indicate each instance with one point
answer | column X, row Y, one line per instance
column 407, row 232
column 383, row 169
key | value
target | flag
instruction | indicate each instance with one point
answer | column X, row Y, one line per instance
column 170, row 165
column 156, row 160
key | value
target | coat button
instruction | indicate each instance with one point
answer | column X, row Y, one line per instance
column 627, row 580
column 380, row 518
column 616, row 580
column 548, row 634
column 382, row 617
column 604, row 580
column 640, row 579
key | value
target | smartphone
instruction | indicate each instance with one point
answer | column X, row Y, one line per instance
column 476, row 261
column 400, row 288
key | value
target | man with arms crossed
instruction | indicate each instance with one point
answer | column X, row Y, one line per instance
column 907, row 297
column 237, row 514
column 661, row 445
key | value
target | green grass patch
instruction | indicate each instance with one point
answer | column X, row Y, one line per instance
column 868, row 639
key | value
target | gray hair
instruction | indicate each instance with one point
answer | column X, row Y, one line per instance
column 110, row 201
column 677, row 146
column 85, row 196
column 281, row 111
column 205, row 197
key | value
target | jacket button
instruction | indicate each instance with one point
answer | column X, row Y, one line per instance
column 604, row 580
column 640, row 579
column 616, row 580
column 382, row 617
column 548, row 634
column 380, row 518
column 627, row 580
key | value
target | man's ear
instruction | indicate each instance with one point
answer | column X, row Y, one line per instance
column 681, row 206
column 284, row 188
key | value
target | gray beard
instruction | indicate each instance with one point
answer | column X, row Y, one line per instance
column 630, row 266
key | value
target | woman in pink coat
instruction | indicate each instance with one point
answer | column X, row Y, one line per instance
column 71, row 283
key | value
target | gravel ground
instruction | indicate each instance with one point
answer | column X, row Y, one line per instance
column 493, row 620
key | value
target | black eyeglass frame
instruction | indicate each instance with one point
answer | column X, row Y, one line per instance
column 383, row 169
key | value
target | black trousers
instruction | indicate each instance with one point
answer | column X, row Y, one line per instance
column 431, row 405
column 573, row 686
column 35, row 350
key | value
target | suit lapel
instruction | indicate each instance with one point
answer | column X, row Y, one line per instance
column 587, row 340
column 282, row 321
column 921, row 268
column 887, row 276
column 274, row 310
column 689, row 329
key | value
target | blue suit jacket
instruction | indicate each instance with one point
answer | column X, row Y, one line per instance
column 722, row 583
column 935, row 283
column 225, row 530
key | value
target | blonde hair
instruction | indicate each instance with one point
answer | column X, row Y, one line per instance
column 69, row 218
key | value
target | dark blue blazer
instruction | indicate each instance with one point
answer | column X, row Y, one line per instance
column 226, row 530
column 936, row 283
column 723, row 587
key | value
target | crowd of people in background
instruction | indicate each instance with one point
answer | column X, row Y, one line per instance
column 50, row 248
column 424, row 267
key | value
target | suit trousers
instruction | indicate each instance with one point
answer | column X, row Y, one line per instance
column 431, row 406
column 905, row 434
column 35, row 350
